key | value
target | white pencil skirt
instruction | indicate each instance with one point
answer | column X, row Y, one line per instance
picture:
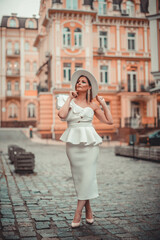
column 83, row 161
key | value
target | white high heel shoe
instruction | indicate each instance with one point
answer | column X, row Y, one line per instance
column 75, row 225
column 90, row 221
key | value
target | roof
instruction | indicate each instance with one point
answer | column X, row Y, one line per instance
column 21, row 20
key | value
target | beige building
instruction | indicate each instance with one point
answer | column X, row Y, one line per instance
column 18, row 65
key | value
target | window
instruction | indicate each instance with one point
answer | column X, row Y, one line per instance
column 31, row 110
column 78, row 66
column 9, row 65
column 34, row 66
column 71, row 4
column 27, row 85
column 30, row 24
column 16, row 65
column 103, row 41
column 16, row 48
column 34, row 86
column 104, row 74
column 12, row 111
column 34, row 49
column 26, row 46
column 27, row 66
column 12, row 23
column 16, row 86
column 116, row 7
column 67, row 72
column 108, row 105
column 131, row 41
column 132, row 82
column 66, row 37
column 78, row 37
column 9, row 48
column 8, row 86
column 102, row 6
column 130, row 8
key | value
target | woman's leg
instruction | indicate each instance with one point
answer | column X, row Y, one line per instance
column 89, row 214
column 78, row 212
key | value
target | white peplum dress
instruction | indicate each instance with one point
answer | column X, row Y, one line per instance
column 82, row 149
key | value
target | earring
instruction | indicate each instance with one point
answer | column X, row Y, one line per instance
column 89, row 96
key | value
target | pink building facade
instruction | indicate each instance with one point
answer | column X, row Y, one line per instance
column 109, row 38
column 18, row 65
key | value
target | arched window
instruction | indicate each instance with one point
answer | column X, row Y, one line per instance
column 27, row 66
column 34, row 66
column 72, row 4
column 30, row 24
column 12, row 23
column 31, row 110
column 78, row 37
column 26, row 46
column 12, row 111
column 66, row 37
column 130, row 8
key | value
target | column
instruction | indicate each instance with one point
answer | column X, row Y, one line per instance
column 52, row 50
column 145, row 39
column 88, row 44
column 146, row 74
column 118, row 38
column 22, row 70
column 58, row 54
column 119, row 71
column 3, row 63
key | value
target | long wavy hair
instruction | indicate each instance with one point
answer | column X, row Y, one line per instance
column 88, row 96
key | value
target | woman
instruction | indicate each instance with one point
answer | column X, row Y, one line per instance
column 82, row 141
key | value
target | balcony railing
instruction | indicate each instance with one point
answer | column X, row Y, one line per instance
column 13, row 72
column 138, row 123
column 10, row 93
column 13, row 53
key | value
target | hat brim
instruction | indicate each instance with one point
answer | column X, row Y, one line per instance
column 91, row 78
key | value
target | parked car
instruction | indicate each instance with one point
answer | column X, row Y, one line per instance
column 153, row 138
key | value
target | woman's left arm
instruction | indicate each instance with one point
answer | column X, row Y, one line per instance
column 105, row 115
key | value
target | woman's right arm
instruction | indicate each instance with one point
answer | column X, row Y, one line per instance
column 63, row 112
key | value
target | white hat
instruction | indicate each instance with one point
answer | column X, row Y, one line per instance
column 91, row 78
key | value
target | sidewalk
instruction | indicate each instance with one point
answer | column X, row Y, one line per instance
column 40, row 206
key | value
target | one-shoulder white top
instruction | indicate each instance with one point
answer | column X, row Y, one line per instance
column 80, row 129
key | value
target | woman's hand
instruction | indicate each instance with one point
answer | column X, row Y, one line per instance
column 101, row 100
column 73, row 94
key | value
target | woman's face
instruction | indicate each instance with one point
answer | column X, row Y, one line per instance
column 82, row 84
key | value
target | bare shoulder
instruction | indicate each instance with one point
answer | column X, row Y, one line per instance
column 94, row 106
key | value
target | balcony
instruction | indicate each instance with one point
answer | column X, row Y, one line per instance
column 13, row 53
column 145, row 122
column 12, row 94
column 13, row 72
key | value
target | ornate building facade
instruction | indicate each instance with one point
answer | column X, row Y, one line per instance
column 109, row 38
column 18, row 65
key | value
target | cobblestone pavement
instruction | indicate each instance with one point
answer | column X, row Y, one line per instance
column 41, row 205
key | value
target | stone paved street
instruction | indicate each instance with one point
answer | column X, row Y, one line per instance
column 41, row 205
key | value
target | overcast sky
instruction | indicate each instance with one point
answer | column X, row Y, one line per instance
column 23, row 8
